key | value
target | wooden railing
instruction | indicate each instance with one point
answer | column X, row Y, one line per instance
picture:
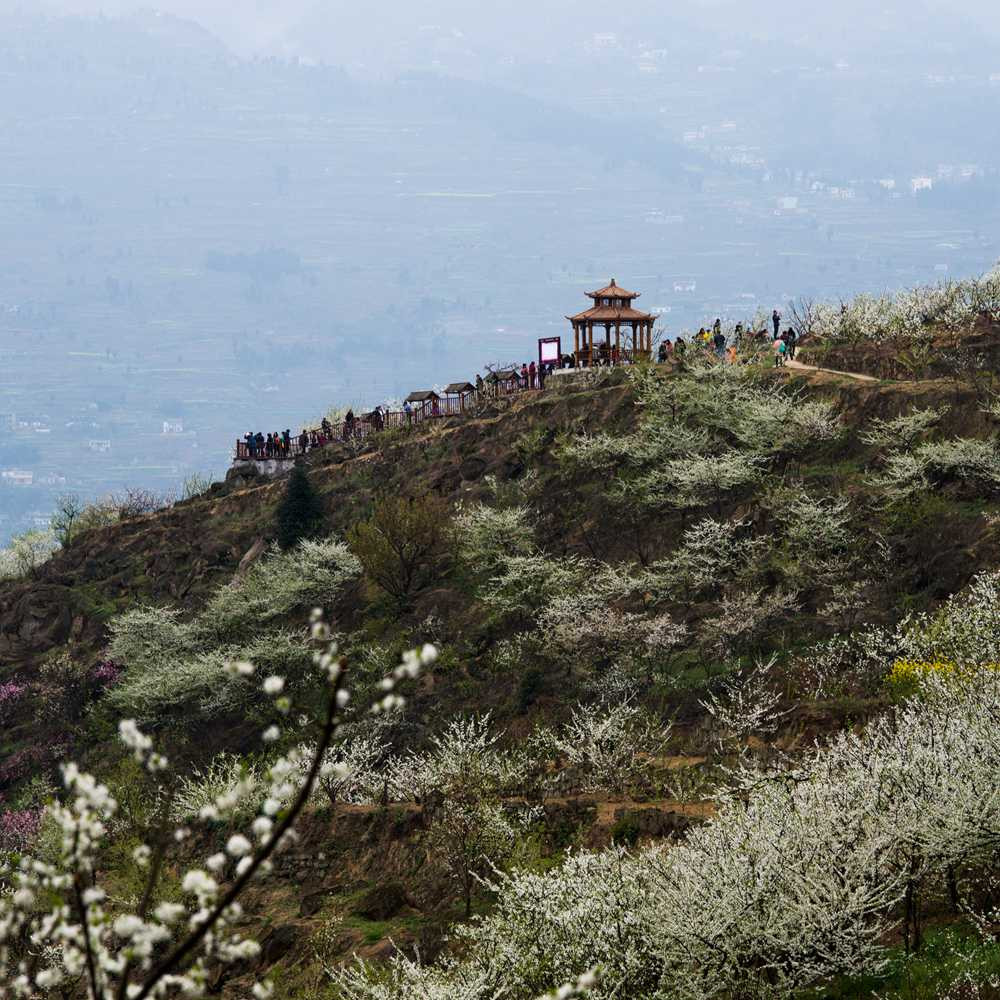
column 360, row 428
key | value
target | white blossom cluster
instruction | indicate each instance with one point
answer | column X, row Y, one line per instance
column 488, row 535
column 712, row 552
column 604, row 747
column 744, row 618
column 745, row 705
column 703, row 433
column 178, row 668
column 227, row 779
column 468, row 753
column 908, row 473
column 902, row 431
column 26, row 553
column 965, row 630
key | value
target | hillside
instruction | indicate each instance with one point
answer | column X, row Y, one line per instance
column 649, row 591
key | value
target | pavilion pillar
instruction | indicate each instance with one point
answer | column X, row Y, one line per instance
column 618, row 338
column 590, row 343
column 576, row 342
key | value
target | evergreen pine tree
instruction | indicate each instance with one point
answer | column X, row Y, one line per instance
column 300, row 513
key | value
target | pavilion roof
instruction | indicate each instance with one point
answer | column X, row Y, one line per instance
column 612, row 291
column 421, row 396
column 458, row 387
column 504, row 376
column 610, row 314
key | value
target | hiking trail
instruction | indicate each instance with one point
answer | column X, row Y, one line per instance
column 799, row 366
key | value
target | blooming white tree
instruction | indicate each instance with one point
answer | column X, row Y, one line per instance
column 460, row 782
column 745, row 617
column 712, row 552
column 820, row 544
column 353, row 769
column 524, row 584
column 176, row 667
column 26, row 553
column 909, row 314
column 700, row 480
column 313, row 571
column 228, row 779
column 745, row 705
column 489, row 535
column 965, row 630
column 904, row 431
column 795, row 879
column 773, row 421
column 468, row 753
column 606, row 747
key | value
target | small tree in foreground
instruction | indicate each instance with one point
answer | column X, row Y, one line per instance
column 300, row 513
column 403, row 543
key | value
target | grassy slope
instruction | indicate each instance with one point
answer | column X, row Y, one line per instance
column 179, row 555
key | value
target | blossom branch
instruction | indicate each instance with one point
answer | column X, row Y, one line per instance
column 172, row 961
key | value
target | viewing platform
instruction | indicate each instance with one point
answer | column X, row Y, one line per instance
column 273, row 453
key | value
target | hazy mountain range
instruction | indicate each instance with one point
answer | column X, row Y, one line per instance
column 237, row 222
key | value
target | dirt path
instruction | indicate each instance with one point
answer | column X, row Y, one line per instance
column 798, row 366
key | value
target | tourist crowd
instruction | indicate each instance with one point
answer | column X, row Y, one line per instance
column 729, row 348
column 281, row 444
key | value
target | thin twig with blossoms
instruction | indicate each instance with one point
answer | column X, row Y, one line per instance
column 55, row 926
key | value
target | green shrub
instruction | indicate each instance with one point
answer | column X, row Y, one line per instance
column 625, row 832
column 403, row 545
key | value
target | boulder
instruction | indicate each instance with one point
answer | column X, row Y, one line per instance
column 382, row 901
column 278, row 943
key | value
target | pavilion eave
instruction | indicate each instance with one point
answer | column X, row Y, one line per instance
column 609, row 314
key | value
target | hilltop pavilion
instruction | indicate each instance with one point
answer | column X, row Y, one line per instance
column 613, row 310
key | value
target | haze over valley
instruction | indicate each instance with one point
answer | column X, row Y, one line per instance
column 213, row 229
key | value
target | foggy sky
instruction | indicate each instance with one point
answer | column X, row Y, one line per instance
column 335, row 30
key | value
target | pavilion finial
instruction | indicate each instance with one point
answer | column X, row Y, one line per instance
column 613, row 284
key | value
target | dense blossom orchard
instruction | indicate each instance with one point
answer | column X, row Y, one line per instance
column 798, row 877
